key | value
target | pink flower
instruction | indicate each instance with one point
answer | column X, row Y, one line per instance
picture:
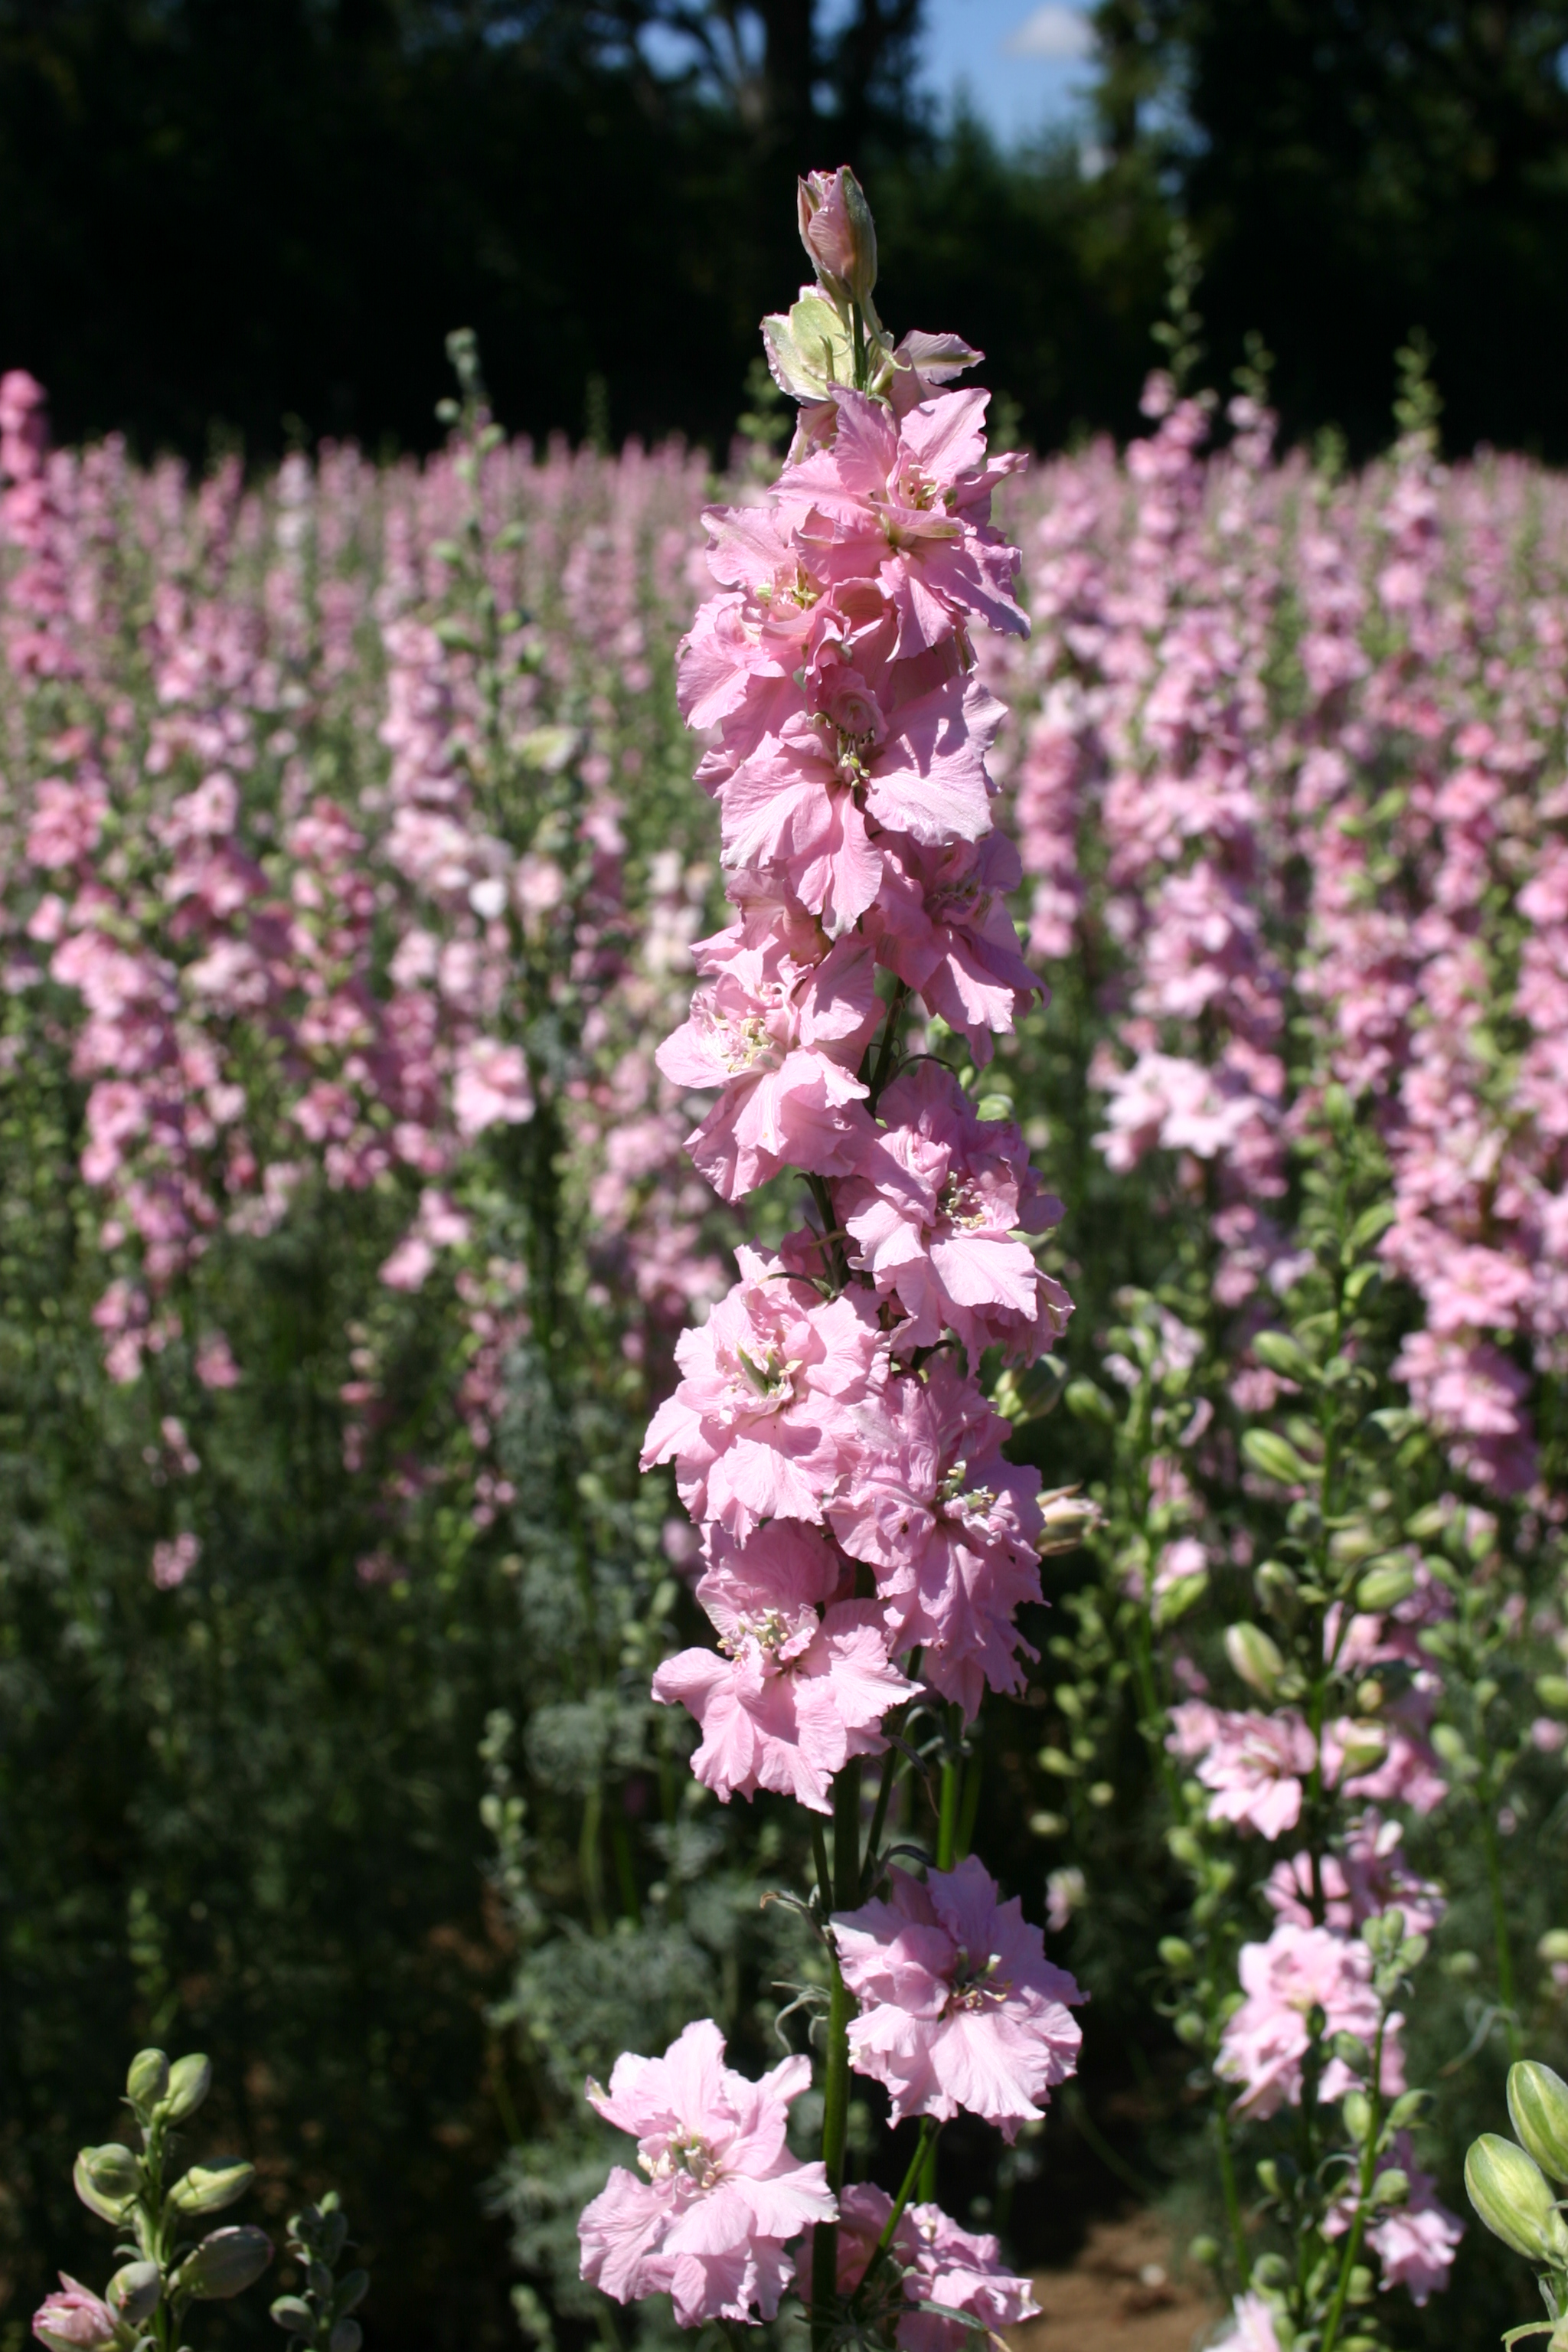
column 174, row 1561
column 959, row 2006
column 722, row 2195
column 490, row 1087
column 1297, row 1970
column 1254, row 1764
column 1251, row 2328
column 66, row 821
column 792, row 1694
column 935, row 1205
column 931, row 2260
column 73, row 2319
column 1414, row 2242
column 949, row 1525
column 1368, row 1875
column 764, row 1420
column 783, row 1038
column 215, row 1367
column 941, row 922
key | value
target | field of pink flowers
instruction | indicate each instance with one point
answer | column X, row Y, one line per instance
column 1126, row 1480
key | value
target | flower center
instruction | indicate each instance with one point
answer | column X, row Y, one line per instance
column 955, row 1498
column 961, row 1204
column 769, row 1632
column 975, row 1984
column 772, row 1380
column 688, row 2157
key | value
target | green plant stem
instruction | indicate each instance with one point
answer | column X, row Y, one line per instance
column 1367, row 2175
column 924, row 2145
column 1229, row 2189
column 969, row 1810
column 890, row 1029
column 841, row 2008
column 1502, row 1943
column 878, row 1822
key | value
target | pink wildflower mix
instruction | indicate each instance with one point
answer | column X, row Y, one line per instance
column 931, row 2260
column 959, row 2006
column 937, row 1204
column 1299, row 1970
column 73, row 2319
column 722, row 2195
column 796, row 1689
column 764, row 1418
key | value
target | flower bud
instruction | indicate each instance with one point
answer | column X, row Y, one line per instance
column 208, row 2188
column 133, row 2291
column 291, row 2310
column 225, row 2263
column 1255, row 1657
column 107, row 2179
column 147, row 2080
column 1538, row 2110
column 346, row 2337
column 838, row 234
column 73, row 2319
column 1066, row 1516
column 1384, row 1588
column 190, row 2080
column 1512, row 2195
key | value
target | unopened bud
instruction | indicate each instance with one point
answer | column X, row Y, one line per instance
column 1384, row 1588
column 190, row 2080
column 133, row 2291
column 1255, row 1657
column 225, row 2263
column 346, row 2337
column 291, row 2311
column 1391, row 2188
column 838, row 234
column 1538, row 2109
column 1512, row 2195
column 1067, row 1517
column 147, row 2079
column 107, row 2179
column 208, row 2188
column 1277, row 1591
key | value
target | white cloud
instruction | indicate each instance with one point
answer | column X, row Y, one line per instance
column 1053, row 31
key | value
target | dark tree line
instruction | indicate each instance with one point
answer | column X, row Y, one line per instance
column 260, row 217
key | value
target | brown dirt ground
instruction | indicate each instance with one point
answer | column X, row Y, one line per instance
column 1119, row 2296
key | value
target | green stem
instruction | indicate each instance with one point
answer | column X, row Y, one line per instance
column 924, row 2145
column 589, row 1862
column 1229, row 2189
column 947, row 1819
column 1368, row 2174
column 969, row 1810
column 878, row 1823
column 846, row 1888
column 890, row 1039
column 1500, row 1939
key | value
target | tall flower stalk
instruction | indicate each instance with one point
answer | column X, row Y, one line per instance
column 866, row 1544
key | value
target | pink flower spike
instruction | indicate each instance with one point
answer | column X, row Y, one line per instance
column 722, row 2195
column 793, row 1695
column 959, row 2006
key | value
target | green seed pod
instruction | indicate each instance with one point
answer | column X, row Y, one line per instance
column 107, row 2179
column 225, row 2263
column 1510, row 2194
column 208, row 2188
column 190, row 2080
column 1538, row 2110
column 147, row 2080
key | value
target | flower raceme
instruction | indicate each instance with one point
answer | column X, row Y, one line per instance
column 866, row 1541
column 720, row 2194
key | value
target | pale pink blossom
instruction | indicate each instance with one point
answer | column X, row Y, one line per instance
column 936, row 1205
column 959, row 2006
column 215, row 1367
column 722, row 2195
column 1254, row 1765
column 174, row 1559
column 1251, row 2327
column 950, row 1527
column 73, row 2319
column 1416, row 2241
column 929, row 2260
column 1368, row 1875
column 791, row 1693
column 1297, row 1970
column 783, row 1037
column 490, row 1087
column 941, row 922
column 764, row 1419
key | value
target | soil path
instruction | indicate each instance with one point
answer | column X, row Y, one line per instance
column 1119, row 2296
